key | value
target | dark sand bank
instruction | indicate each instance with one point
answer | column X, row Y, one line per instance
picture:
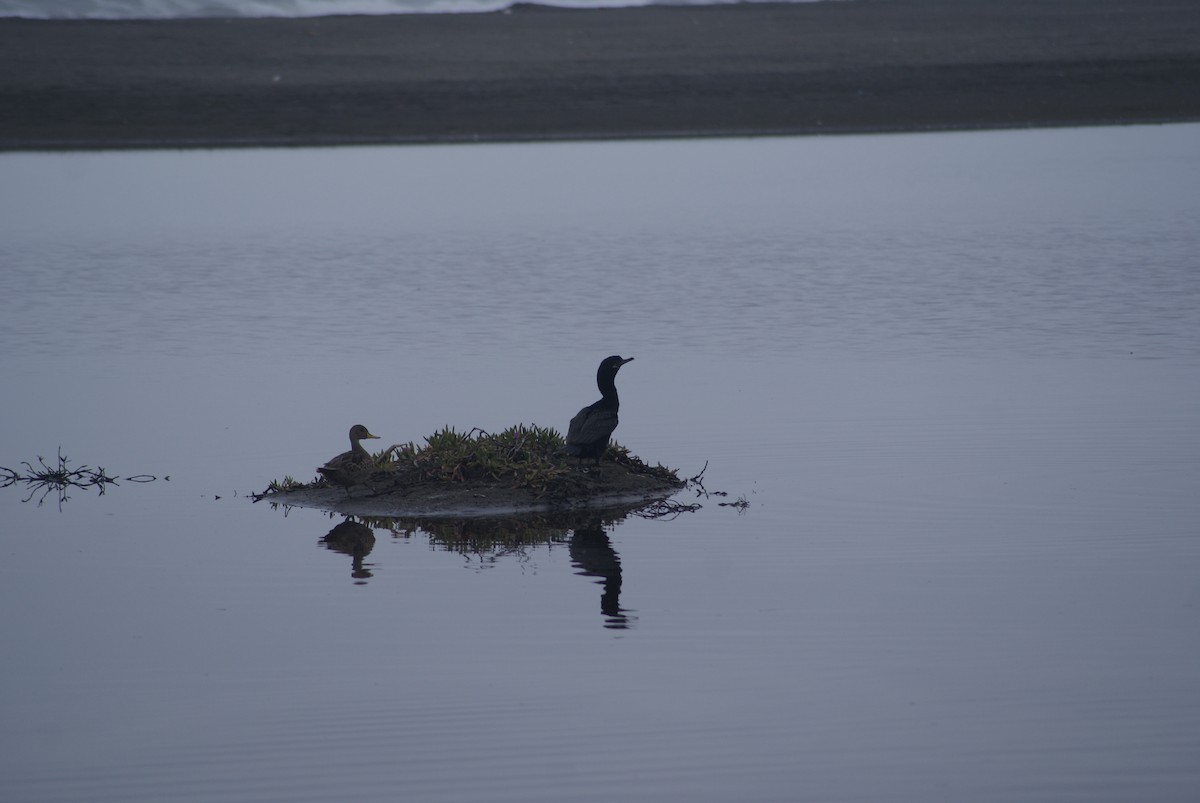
column 539, row 73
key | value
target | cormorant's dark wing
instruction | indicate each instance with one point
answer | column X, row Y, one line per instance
column 590, row 430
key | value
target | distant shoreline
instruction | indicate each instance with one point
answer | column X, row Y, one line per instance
column 539, row 73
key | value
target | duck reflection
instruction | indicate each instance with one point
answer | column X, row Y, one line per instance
column 357, row 541
column 593, row 555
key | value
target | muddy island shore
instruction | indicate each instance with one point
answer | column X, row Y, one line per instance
column 613, row 486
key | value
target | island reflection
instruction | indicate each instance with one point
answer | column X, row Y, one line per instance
column 490, row 540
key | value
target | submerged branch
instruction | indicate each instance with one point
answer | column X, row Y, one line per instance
column 61, row 477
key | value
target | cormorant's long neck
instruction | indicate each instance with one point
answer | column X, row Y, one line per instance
column 608, row 389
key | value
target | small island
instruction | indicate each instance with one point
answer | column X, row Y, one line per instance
column 523, row 469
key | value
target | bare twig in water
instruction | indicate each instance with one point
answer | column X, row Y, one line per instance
column 666, row 509
column 741, row 503
column 61, row 477
column 696, row 483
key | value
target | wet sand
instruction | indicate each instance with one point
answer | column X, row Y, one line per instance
column 544, row 74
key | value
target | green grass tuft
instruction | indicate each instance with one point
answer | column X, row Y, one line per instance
column 524, row 456
column 288, row 483
column 521, row 456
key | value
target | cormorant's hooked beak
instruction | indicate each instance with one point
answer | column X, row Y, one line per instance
column 627, row 359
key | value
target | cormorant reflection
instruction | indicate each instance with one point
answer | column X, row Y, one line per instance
column 357, row 541
column 592, row 554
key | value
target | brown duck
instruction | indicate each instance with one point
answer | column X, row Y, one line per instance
column 354, row 467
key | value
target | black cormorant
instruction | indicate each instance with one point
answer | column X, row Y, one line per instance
column 593, row 425
column 354, row 467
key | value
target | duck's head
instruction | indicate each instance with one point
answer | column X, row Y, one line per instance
column 360, row 433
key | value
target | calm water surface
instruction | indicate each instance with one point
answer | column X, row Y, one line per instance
column 955, row 377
